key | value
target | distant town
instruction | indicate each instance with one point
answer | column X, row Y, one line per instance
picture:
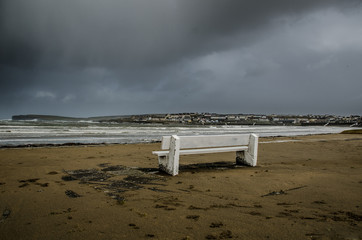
column 243, row 119
column 214, row 119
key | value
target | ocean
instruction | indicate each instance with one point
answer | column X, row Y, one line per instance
column 20, row 133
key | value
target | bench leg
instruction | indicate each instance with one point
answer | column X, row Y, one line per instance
column 170, row 163
column 250, row 156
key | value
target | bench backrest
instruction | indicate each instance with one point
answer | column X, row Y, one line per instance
column 203, row 141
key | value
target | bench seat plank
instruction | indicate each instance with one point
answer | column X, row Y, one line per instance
column 204, row 150
column 204, row 141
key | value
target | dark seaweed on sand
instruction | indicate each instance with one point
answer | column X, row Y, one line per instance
column 86, row 175
column 102, row 179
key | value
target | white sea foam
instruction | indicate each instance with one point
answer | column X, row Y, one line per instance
column 14, row 133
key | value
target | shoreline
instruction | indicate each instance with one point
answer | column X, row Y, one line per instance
column 75, row 144
column 307, row 187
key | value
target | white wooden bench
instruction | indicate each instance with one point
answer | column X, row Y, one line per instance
column 245, row 146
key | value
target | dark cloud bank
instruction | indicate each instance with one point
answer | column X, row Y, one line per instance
column 87, row 58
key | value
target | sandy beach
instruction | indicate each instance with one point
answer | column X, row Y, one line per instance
column 307, row 187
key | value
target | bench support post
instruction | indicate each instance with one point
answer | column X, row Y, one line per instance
column 170, row 162
column 250, row 156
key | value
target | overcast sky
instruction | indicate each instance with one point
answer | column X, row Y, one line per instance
column 111, row 57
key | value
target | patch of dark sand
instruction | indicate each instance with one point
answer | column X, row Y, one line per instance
column 192, row 207
column 31, row 180
column 210, row 236
column 5, row 215
column 139, row 179
column 229, row 205
column 24, row 185
column 124, row 185
column 165, row 207
column 170, row 200
column 72, row 194
column 216, row 224
column 42, row 184
column 253, row 213
column 108, row 168
column 68, row 178
column 68, row 210
column 208, row 166
column 354, row 216
column 85, row 175
column 226, row 234
column 134, row 226
column 193, row 217
column 285, row 204
column 120, row 200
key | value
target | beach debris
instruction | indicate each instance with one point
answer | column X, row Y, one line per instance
column 296, row 188
column 5, row 215
column 314, row 235
column 72, row 194
column 274, row 193
column 159, row 190
column 282, row 192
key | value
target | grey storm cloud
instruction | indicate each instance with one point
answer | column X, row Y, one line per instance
column 132, row 33
column 117, row 57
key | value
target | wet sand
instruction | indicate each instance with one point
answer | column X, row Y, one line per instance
column 303, row 188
